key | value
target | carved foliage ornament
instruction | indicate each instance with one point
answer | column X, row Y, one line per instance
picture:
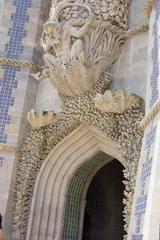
column 110, row 11
column 41, row 118
column 117, row 102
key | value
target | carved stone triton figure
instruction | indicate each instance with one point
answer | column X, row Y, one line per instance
column 59, row 39
column 63, row 42
column 78, row 47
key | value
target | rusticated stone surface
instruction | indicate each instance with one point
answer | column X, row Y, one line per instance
column 78, row 58
column 122, row 128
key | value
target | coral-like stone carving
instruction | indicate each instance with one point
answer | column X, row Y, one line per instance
column 117, row 102
column 40, row 118
column 120, row 127
column 80, row 42
column 113, row 12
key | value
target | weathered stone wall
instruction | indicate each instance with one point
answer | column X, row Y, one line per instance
column 20, row 26
column 129, row 71
column 19, row 91
column 47, row 97
column 145, row 209
column 1, row 8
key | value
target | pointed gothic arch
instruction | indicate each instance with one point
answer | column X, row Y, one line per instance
column 76, row 151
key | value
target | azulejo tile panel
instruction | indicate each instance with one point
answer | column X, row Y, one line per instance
column 13, row 50
column 155, row 57
column 142, row 196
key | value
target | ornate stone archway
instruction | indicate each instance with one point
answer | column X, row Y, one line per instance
column 73, row 222
column 120, row 129
column 56, row 174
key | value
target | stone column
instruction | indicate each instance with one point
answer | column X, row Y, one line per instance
column 20, row 26
column 145, row 218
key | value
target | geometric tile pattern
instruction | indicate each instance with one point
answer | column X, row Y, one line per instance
column 13, row 50
column 155, row 56
column 141, row 201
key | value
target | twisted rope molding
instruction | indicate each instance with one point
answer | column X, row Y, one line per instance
column 137, row 30
column 36, row 67
column 151, row 115
column 149, row 6
column 8, row 147
column 19, row 63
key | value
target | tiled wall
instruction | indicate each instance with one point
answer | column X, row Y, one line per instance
column 7, row 83
column 145, row 212
column 147, row 154
column 155, row 58
column 14, row 48
column 20, row 28
column 12, row 33
column 153, row 86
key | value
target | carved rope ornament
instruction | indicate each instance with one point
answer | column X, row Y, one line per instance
column 19, row 63
column 153, row 112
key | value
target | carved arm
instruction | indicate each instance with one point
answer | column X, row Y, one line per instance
column 80, row 33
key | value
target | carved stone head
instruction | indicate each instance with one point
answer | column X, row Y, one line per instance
column 50, row 37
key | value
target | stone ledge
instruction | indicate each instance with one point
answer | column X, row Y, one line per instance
column 4, row 147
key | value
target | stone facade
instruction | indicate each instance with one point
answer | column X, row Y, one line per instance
column 75, row 100
column 144, row 222
column 18, row 21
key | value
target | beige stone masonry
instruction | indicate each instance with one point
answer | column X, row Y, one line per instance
column 56, row 173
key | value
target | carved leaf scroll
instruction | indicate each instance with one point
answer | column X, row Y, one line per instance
column 117, row 102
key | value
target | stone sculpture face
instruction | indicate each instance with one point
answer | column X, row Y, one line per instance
column 51, row 37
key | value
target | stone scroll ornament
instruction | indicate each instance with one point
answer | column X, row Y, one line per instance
column 81, row 40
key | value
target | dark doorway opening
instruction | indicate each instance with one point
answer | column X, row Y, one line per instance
column 103, row 218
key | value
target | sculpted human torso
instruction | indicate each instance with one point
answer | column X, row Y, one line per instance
column 78, row 45
column 59, row 40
